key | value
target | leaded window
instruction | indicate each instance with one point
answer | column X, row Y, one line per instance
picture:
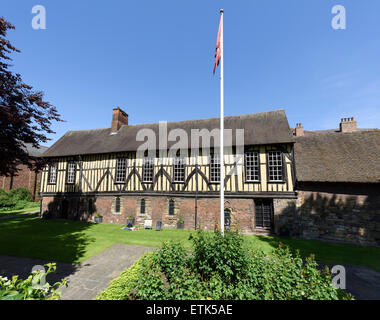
column 148, row 166
column 215, row 168
column 142, row 206
column 52, row 174
column 121, row 170
column 117, row 205
column 171, row 207
column 252, row 166
column 275, row 166
column 70, row 172
column 179, row 169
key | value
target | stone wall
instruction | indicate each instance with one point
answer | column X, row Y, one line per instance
column 346, row 213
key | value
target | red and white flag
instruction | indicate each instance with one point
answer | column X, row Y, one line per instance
column 218, row 50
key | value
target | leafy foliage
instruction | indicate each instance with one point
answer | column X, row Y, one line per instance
column 20, row 194
column 32, row 288
column 225, row 268
column 15, row 199
column 6, row 202
column 24, row 116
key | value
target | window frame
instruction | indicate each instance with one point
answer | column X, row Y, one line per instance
column 258, row 167
column 50, row 166
column 117, row 199
column 171, row 201
column 67, row 172
column 125, row 159
column 282, row 167
column 262, row 203
column 141, row 206
column 146, row 161
column 211, row 163
column 182, row 160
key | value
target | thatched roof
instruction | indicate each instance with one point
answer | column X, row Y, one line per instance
column 260, row 128
column 338, row 157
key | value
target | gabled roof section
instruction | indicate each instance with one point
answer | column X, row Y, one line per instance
column 261, row 128
column 338, row 157
column 34, row 152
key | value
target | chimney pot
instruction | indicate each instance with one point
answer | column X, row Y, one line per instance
column 119, row 118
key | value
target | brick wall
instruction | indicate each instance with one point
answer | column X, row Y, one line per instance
column 157, row 209
column 342, row 213
column 25, row 178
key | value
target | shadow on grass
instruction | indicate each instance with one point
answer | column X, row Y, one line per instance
column 329, row 252
column 53, row 240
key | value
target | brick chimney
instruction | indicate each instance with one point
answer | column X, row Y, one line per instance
column 119, row 118
column 348, row 125
column 299, row 130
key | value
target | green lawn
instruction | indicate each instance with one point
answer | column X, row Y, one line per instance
column 32, row 206
column 72, row 241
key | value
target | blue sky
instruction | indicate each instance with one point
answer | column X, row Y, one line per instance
column 154, row 59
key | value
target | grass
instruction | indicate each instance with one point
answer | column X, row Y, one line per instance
column 74, row 242
column 31, row 206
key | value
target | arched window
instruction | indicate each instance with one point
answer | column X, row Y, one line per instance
column 117, row 205
column 171, row 207
column 227, row 218
column 142, row 206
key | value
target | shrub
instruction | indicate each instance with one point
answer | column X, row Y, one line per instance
column 21, row 194
column 31, row 288
column 222, row 255
column 223, row 268
column 6, row 202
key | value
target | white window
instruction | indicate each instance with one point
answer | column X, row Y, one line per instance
column 214, row 168
column 252, row 166
column 179, row 169
column 148, row 166
column 275, row 167
column 121, row 169
column 70, row 173
column 52, row 174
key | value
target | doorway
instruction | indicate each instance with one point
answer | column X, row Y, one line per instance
column 65, row 209
column 264, row 215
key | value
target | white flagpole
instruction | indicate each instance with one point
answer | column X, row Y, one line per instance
column 221, row 128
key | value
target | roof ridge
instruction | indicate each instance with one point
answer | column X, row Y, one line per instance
column 204, row 119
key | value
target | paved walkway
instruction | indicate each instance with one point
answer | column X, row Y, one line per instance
column 85, row 280
column 20, row 214
column 363, row 283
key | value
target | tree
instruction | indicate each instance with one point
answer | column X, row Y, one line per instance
column 24, row 115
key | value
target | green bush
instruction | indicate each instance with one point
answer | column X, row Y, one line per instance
column 31, row 288
column 6, row 202
column 223, row 268
column 21, row 194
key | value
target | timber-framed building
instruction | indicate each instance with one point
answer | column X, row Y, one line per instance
column 292, row 182
column 97, row 171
